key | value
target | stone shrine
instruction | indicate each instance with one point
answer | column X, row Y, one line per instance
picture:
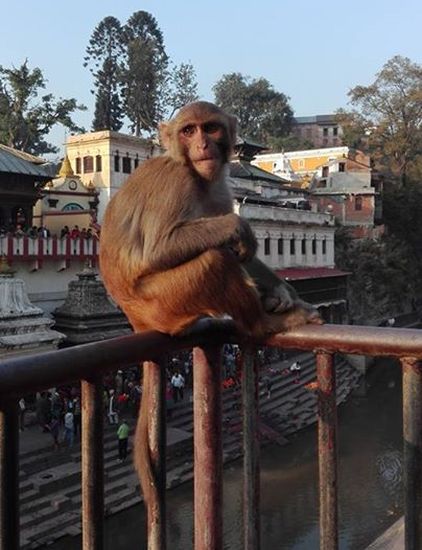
column 88, row 315
column 24, row 328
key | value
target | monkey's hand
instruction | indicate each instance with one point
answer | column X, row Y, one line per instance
column 278, row 299
column 243, row 242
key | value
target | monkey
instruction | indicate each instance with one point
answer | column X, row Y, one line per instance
column 172, row 250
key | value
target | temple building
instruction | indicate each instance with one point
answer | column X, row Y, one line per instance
column 67, row 201
column 22, row 177
column 105, row 159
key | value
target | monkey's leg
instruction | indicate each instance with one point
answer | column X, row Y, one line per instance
column 212, row 284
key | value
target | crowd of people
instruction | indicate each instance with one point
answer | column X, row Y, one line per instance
column 58, row 411
column 35, row 232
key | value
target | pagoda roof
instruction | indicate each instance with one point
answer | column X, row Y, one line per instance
column 13, row 161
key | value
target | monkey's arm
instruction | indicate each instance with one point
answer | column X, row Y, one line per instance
column 276, row 294
column 188, row 239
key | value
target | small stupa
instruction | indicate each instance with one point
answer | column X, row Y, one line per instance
column 24, row 328
column 88, row 315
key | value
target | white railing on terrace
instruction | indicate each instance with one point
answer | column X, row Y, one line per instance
column 29, row 248
column 287, row 215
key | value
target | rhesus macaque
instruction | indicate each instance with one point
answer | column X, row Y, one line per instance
column 172, row 250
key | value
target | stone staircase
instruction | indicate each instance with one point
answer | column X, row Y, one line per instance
column 50, row 482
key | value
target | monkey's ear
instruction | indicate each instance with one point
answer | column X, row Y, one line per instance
column 165, row 135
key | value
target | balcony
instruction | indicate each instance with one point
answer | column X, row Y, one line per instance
column 89, row 362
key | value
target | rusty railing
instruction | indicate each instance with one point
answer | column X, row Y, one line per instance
column 20, row 375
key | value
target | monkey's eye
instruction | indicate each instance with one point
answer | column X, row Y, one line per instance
column 188, row 130
column 211, row 127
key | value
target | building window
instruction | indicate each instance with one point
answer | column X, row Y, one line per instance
column 280, row 246
column 267, row 246
column 301, row 163
column 292, row 247
column 126, row 165
column 116, row 162
column 303, row 246
column 325, row 142
column 358, row 203
column 313, row 246
column 88, row 165
column 325, row 171
column 325, row 132
column 335, row 131
column 324, row 247
column 72, row 207
column 78, row 165
column 341, row 166
column 98, row 163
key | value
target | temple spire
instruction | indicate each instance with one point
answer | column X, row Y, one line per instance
column 66, row 168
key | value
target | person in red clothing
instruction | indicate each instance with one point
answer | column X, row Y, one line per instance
column 75, row 233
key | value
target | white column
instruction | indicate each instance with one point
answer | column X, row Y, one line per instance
column 274, row 262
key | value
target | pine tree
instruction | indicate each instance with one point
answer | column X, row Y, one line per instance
column 145, row 74
column 105, row 54
column 184, row 87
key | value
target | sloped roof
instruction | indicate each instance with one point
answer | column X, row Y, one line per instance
column 295, row 274
column 243, row 169
column 18, row 162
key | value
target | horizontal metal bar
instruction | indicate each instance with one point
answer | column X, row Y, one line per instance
column 36, row 372
column 362, row 340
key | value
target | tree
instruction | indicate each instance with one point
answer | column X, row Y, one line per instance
column 183, row 87
column 263, row 114
column 145, row 75
column 104, row 55
column 26, row 118
column 384, row 278
column 388, row 117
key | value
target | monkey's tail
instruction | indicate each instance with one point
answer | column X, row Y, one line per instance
column 142, row 455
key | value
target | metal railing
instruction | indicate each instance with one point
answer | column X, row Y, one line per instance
column 89, row 362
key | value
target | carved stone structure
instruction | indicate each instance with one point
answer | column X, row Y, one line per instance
column 23, row 327
column 88, row 315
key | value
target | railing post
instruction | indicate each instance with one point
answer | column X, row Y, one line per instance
column 9, row 476
column 92, row 464
column 251, row 452
column 208, row 452
column 327, row 451
column 412, row 438
column 156, row 512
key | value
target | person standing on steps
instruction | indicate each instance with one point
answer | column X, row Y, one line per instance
column 123, row 437
column 177, row 383
column 295, row 368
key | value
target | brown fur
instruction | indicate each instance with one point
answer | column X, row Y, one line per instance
column 172, row 248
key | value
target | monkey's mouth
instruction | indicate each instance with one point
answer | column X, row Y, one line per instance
column 206, row 159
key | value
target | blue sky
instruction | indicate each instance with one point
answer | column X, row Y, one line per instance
column 312, row 51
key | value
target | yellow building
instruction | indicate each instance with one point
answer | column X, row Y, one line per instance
column 299, row 167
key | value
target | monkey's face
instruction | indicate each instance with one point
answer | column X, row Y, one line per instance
column 205, row 147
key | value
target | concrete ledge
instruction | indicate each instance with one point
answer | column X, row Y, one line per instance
column 392, row 539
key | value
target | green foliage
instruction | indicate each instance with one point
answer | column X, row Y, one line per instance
column 144, row 75
column 183, row 87
column 384, row 278
column 104, row 56
column 289, row 143
column 132, row 75
column 263, row 113
column 26, row 118
column 387, row 120
column 402, row 212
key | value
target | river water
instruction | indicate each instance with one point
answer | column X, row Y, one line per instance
column 370, row 483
